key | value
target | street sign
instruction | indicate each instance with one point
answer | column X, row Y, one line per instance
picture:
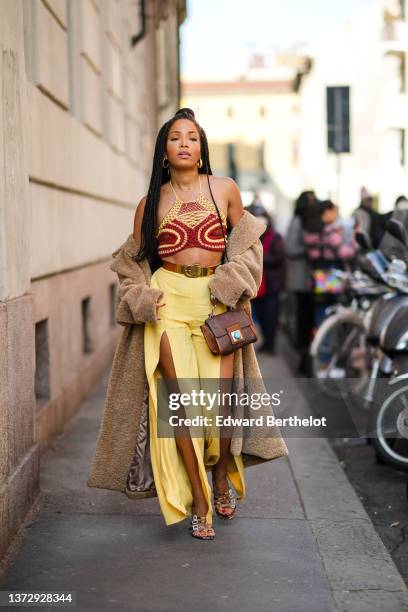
column 338, row 119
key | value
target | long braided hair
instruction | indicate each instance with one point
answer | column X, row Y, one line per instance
column 160, row 176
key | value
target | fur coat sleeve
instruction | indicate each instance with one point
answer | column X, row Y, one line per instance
column 238, row 279
column 136, row 302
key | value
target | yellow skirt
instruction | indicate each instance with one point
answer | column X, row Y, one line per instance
column 187, row 306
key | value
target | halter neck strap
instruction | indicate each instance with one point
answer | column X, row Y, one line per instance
column 177, row 196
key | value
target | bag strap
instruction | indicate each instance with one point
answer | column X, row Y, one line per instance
column 219, row 216
column 223, row 235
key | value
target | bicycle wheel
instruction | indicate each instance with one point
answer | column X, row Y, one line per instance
column 388, row 426
column 339, row 352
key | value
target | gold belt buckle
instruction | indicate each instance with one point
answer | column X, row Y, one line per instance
column 193, row 270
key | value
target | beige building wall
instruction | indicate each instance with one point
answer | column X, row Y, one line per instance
column 79, row 112
column 368, row 53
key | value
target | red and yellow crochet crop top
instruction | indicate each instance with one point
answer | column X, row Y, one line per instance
column 191, row 224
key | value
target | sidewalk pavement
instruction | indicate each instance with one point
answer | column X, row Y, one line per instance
column 301, row 542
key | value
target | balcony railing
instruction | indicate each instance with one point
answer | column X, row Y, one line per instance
column 395, row 36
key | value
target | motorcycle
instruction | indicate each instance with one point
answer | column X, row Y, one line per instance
column 388, row 422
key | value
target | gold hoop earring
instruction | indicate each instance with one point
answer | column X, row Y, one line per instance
column 164, row 166
column 200, row 163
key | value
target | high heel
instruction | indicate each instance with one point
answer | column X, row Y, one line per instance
column 225, row 504
column 201, row 528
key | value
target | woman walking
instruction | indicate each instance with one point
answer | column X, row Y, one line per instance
column 306, row 214
column 171, row 276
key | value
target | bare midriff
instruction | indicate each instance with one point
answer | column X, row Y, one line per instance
column 195, row 255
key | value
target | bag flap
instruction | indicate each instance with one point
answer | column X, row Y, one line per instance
column 218, row 323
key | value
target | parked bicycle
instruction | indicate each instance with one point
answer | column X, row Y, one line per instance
column 381, row 332
column 339, row 350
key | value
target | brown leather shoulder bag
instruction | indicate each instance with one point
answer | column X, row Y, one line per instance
column 229, row 331
column 232, row 329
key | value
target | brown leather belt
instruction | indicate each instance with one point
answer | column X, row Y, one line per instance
column 190, row 270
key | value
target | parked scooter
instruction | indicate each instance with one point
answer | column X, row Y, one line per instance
column 388, row 423
column 376, row 265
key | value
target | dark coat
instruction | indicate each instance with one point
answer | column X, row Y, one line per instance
column 274, row 262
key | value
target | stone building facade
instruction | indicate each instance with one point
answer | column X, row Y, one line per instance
column 252, row 127
column 85, row 86
column 367, row 56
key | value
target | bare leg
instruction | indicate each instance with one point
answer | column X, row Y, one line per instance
column 219, row 471
column 184, row 442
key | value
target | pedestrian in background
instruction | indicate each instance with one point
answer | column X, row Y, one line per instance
column 256, row 207
column 266, row 303
column 368, row 220
column 328, row 250
column 298, row 277
column 401, row 203
column 390, row 246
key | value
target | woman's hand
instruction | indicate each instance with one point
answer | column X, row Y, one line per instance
column 157, row 310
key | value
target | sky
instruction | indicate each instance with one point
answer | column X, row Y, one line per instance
column 218, row 36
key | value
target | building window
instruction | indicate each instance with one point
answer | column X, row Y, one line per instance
column 262, row 111
column 112, row 304
column 232, row 164
column 402, row 9
column 403, row 73
column 403, row 156
column 338, row 119
column 230, row 111
column 42, row 361
column 86, row 335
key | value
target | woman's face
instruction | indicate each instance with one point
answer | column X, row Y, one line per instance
column 311, row 198
column 183, row 144
column 330, row 215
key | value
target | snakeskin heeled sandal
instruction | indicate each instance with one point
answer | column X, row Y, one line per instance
column 200, row 528
column 225, row 504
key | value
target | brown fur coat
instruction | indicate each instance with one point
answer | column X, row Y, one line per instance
column 123, row 441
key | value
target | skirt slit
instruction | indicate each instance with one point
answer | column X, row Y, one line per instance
column 187, row 306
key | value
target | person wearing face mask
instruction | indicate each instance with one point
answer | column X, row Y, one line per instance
column 401, row 203
column 370, row 221
column 390, row 246
column 266, row 303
